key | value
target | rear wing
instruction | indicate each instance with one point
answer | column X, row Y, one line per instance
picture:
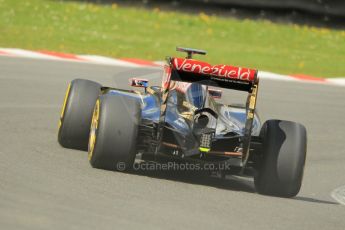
column 223, row 76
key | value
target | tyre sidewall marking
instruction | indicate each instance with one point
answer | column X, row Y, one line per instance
column 93, row 129
column 64, row 104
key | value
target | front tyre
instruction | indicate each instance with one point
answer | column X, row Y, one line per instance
column 114, row 132
column 280, row 169
column 76, row 113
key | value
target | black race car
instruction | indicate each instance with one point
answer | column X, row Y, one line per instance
column 182, row 121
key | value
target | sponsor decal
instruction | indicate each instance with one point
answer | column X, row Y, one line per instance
column 219, row 71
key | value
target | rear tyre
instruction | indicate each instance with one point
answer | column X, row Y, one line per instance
column 114, row 132
column 76, row 113
column 281, row 166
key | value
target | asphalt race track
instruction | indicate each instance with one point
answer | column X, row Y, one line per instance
column 44, row 186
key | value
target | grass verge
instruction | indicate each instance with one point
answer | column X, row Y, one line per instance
column 110, row 30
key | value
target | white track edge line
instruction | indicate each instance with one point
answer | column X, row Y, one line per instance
column 338, row 194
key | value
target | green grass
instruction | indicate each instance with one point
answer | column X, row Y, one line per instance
column 116, row 31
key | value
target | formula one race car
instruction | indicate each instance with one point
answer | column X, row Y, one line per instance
column 182, row 121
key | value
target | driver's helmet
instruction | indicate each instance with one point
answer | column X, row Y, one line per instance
column 193, row 93
column 196, row 94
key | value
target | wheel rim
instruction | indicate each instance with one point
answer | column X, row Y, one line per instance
column 93, row 129
column 64, row 105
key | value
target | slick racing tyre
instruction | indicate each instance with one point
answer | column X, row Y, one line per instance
column 76, row 113
column 114, row 132
column 280, row 168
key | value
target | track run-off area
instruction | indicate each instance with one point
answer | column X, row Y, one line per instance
column 44, row 186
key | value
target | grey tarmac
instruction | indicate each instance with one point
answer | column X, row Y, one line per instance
column 44, row 186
